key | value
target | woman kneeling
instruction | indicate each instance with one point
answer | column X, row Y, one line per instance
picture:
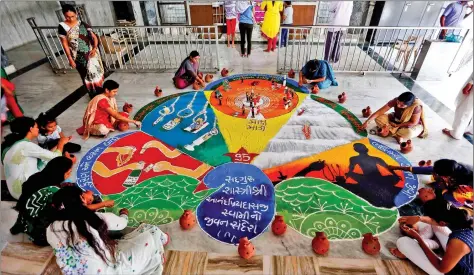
column 408, row 120
column 102, row 113
column 188, row 72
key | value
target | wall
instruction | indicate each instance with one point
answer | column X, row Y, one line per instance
column 15, row 30
column 100, row 13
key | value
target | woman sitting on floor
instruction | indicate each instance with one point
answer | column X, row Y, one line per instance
column 22, row 158
column 188, row 72
column 34, row 205
column 457, row 241
column 82, row 246
column 408, row 120
column 318, row 73
column 102, row 113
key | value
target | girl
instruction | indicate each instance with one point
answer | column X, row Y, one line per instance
column 22, row 158
column 81, row 245
column 271, row 22
column 50, row 133
column 246, row 20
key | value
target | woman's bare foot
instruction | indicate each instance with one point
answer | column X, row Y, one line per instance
column 267, row 50
column 447, row 132
column 395, row 252
column 398, row 139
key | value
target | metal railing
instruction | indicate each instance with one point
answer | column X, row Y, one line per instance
column 139, row 48
column 357, row 49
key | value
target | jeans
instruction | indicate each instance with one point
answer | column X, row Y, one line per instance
column 245, row 36
column 284, row 36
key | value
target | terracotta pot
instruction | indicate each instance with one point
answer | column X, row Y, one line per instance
column 320, row 243
column 187, row 220
column 278, row 225
column 291, row 74
column 342, row 98
column 366, row 112
column 123, row 126
column 158, row 91
column 127, row 108
column 208, row 78
column 224, row 72
column 246, row 248
column 370, row 244
column 315, row 89
column 428, row 162
column 424, row 163
column 383, row 132
column 196, row 86
column 406, row 147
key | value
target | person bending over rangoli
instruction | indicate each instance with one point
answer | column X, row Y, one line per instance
column 318, row 73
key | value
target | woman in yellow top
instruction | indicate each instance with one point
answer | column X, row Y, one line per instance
column 271, row 22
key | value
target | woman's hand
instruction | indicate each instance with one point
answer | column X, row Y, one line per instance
column 137, row 123
column 393, row 124
column 71, row 157
column 410, row 232
column 72, row 63
column 409, row 220
column 93, row 52
column 365, row 124
column 109, row 203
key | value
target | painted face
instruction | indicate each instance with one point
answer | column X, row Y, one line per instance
column 51, row 127
column 426, row 194
column 70, row 17
column 34, row 130
column 401, row 105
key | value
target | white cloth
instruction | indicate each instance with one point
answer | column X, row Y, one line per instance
column 242, row 6
column 288, row 13
column 463, row 113
column 21, row 161
column 413, row 251
column 340, row 14
column 53, row 136
column 139, row 252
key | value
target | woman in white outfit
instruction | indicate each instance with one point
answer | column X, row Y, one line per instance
column 82, row 246
column 464, row 110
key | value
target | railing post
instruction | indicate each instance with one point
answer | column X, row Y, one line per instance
column 42, row 39
column 217, row 48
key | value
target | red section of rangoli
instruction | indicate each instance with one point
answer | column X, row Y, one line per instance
column 113, row 184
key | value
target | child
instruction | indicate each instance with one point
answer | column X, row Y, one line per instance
column 50, row 133
column 231, row 21
column 287, row 21
column 88, row 200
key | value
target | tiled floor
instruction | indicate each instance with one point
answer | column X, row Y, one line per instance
column 40, row 89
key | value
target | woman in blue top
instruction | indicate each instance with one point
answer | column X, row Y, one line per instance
column 318, row 73
column 458, row 258
column 246, row 20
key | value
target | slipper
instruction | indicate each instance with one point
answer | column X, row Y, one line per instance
column 395, row 252
column 447, row 132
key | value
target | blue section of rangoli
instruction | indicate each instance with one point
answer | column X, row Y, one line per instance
column 278, row 78
column 410, row 189
column 84, row 169
column 243, row 206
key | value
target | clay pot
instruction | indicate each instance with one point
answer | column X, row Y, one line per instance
column 224, row 72
column 291, row 74
column 123, row 126
column 424, row 163
column 366, row 112
column 208, row 78
column 246, row 248
column 467, row 89
column 278, row 225
column 127, row 108
column 315, row 89
column 158, row 91
column 320, row 243
column 406, row 147
column 187, row 220
column 383, row 132
column 342, row 98
column 370, row 244
column 196, row 85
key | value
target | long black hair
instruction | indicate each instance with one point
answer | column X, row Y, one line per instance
column 458, row 173
column 51, row 175
column 72, row 210
column 440, row 210
column 68, row 8
column 20, row 127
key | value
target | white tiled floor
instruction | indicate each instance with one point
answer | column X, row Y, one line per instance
column 40, row 89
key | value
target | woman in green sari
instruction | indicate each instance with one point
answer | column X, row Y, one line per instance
column 80, row 44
